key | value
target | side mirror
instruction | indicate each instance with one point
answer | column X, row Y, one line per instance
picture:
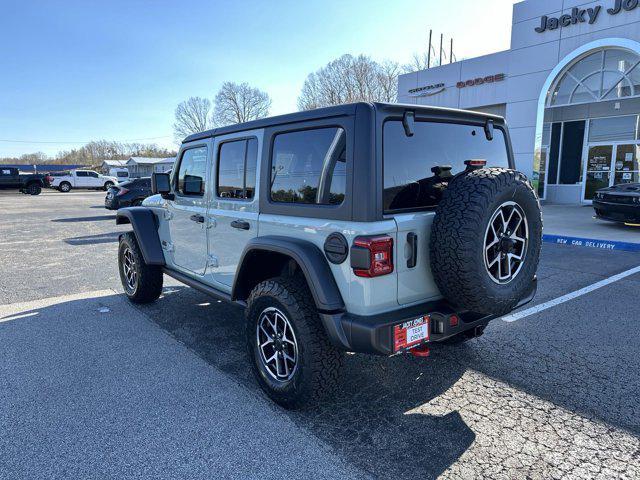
column 193, row 185
column 160, row 183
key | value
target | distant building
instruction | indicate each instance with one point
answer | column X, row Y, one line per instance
column 107, row 165
column 144, row 167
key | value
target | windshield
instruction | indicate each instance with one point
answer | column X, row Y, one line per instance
column 418, row 169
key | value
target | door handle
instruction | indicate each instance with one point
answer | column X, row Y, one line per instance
column 197, row 218
column 412, row 241
column 240, row 225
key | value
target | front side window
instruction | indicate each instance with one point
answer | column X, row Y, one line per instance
column 309, row 167
column 237, row 169
column 418, row 169
column 192, row 172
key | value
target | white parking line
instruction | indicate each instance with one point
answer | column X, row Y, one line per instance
column 569, row 296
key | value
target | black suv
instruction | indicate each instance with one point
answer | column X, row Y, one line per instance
column 128, row 194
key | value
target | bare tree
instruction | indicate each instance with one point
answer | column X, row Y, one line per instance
column 350, row 79
column 192, row 116
column 237, row 103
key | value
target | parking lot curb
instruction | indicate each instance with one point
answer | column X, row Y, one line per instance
column 591, row 243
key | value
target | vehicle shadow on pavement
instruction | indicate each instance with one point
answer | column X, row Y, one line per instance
column 111, row 237
column 84, row 219
column 369, row 421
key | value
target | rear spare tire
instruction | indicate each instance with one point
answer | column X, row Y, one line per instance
column 485, row 240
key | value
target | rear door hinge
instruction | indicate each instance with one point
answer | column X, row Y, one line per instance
column 212, row 261
column 167, row 246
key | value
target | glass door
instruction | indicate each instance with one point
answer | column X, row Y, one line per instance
column 627, row 165
column 598, row 171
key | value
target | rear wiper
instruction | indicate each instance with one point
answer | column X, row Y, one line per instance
column 488, row 129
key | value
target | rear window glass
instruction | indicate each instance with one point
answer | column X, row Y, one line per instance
column 417, row 169
column 309, row 167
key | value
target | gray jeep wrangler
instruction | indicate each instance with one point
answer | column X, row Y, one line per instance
column 368, row 228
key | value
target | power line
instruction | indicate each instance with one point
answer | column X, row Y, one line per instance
column 79, row 142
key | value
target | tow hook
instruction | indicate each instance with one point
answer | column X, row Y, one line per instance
column 421, row 351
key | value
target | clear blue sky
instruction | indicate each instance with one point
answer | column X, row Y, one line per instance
column 73, row 71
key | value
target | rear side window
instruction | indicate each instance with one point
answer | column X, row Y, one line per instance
column 192, row 172
column 417, row 169
column 237, row 169
column 82, row 174
column 122, row 174
column 309, row 167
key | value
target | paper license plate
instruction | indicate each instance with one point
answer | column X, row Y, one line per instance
column 410, row 334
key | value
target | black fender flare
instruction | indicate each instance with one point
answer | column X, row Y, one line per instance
column 145, row 227
column 309, row 258
column 314, row 267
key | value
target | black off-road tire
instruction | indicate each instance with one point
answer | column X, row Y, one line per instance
column 319, row 362
column 148, row 286
column 458, row 237
column 34, row 189
column 64, row 187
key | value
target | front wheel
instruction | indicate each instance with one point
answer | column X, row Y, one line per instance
column 293, row 360
column 107, row 186
column 142, row 283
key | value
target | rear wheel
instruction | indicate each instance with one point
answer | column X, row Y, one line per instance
column 292, row 358
column 142, row 283
column 108, row 185
column 65, row 187
column 34, row 189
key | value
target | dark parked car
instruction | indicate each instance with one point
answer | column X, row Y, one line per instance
column 29, row 183
column 128, row 194
column 620, row 203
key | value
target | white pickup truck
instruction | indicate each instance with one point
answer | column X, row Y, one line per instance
column 83, row 179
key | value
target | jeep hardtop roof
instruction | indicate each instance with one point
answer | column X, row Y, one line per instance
column 340, row 111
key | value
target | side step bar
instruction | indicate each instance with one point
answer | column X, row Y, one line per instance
column 211, row 291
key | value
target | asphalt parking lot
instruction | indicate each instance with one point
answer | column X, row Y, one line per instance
column 92, row 387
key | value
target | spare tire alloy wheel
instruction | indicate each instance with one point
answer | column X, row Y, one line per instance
column 277, row 344
column 505, row 242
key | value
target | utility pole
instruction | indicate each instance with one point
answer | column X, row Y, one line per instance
column 451, row 52
column 429, row 50
column 441, row 40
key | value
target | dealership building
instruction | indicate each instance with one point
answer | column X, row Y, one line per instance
column 569, row 87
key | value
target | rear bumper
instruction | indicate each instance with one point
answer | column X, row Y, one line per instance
column 374, row 334
column 615, row 212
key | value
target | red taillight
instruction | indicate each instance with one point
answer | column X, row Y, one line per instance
column 122, row 191
column 454, row 320
column 48, row 179
column 380, row 253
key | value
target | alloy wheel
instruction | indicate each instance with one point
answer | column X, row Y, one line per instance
column 277, row 344
column 505, row 243
column 130, row 270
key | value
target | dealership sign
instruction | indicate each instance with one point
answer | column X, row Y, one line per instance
column 427, row 90
column 584, row 15
column 474, row 82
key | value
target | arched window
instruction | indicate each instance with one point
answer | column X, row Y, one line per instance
column 601, row 75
